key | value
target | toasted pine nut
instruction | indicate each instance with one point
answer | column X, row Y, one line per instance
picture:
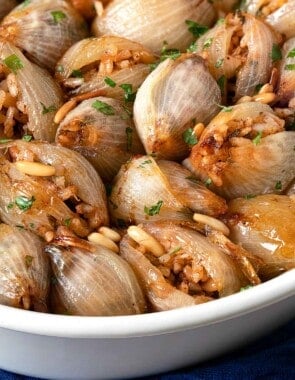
column 266, row 88
column 64, row 109
column 35, row 168
column 198, row 129
column 212, row 222
column 110, row 234
column 145, row 239
column 99, row 239
column 26, row 301
column 264, row 98
column 244, row 99
column 49, row 236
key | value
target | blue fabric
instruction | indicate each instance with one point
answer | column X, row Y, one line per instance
column 272, row 357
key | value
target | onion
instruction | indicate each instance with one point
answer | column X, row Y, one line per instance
column 191, row 267
column 173, row 98
column 37, row 103
column 237, row 166
column 44, row 29
column 39, row 203
column 146, row 191
column 96, row 283
column 264, row 225
column 24, row 270
column 286, row 86
column 104, row 64
column 151, row 22
column 105, row 136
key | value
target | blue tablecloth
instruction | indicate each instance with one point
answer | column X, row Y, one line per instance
column 272, row 357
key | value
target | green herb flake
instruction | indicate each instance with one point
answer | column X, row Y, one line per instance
column 28, row 260
column 24, row 203
column 225, row 108
column 10, row 205
column 154, row 65
column 153, row 210
column 249, row 196
column 77, row 74
column 276, row 53
column 67, row 222
column 4, row 141
column 258, row 88
column 144, row 163
column 13, row 63
column 27, row 138
column 278, row 185
column 49, row 109
column 58, row 16
column 109, row 81
column 31, row 225
column 169, row 53
column 129, row 95
column 220, row 21
column 192, row 48
column 208, row 43
column 189, row 137
column 196, row 29
column 208, row 182
column 25, row 3
column 175, row 250
column 246, row 288
column 290, row 67
column 221, row 83
column 103, row 107
column 129, row 135
column 257, row 139
column 219, row 63
column 60, row 69
column 291, row 53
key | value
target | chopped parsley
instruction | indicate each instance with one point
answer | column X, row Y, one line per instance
column 219, row 63
column 208, row 43
column 246, row 288
column 129, row 95
column 196, row 29
column 220, row 21
column 225, row 108
column 257, row 139
column 13, row 63
column 25, row 3
column 77, row 74
column 58, row 16
column 192, row 48
column 258, row 87
column 67, row 222
column 276, row 53
column 153, row 210
column 221, row 83
column 60, row 69
column 290, row 66
column 129, row 135
column 24, row 203
column 249, row 196
column 278, row 185
column 291, row 53
column 169, row 53
column 103, row 107
column 27, row 138
column 109, row 82
column 10, row 205
column 173, row 251
column 189, row 137
column 146, row 162
column 4, row 141
column 208, row 182
column 49, row 109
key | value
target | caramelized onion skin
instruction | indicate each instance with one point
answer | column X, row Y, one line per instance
column 264, row 225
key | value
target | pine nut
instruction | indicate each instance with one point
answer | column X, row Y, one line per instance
column 100, row 239
column 212, row 222
column 35, row 168
column 198, row 129
column 109, row 233
column 266, row 88
column 145, row 239
column 264, row 98
column 244, row 99
column 64, row 109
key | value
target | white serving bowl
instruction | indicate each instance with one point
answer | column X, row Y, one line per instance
column 69, row 347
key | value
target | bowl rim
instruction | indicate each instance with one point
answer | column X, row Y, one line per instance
column 65, row 326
